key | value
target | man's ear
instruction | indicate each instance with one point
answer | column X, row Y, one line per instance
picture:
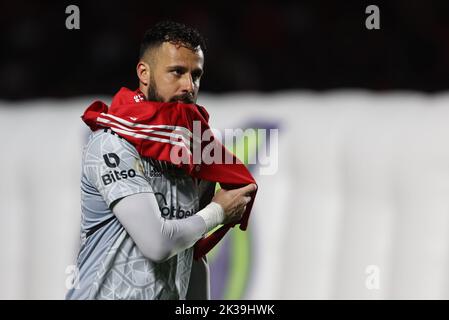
column 143, row 72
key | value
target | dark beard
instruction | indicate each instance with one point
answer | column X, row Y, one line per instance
column 153, row 95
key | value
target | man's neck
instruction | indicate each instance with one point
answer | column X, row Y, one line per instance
column 144, row 91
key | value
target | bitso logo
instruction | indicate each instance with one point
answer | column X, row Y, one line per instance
column 172, row 212
column 112, row 161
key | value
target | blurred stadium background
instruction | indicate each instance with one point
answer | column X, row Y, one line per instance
column 363, row 174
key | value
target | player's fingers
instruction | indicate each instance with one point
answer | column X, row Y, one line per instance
column 247, row 200
column 243, row 201
column 247, row 189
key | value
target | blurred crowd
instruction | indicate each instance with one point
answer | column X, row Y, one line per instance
column 252, row 45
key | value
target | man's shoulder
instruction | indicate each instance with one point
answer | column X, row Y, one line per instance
column 105, row 141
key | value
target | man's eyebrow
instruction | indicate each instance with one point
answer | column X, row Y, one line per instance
column 177, row 67
column 198, row 71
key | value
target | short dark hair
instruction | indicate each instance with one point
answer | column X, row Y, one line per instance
column 170, row 31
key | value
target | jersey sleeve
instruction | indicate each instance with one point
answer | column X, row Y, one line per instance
column 113, row 166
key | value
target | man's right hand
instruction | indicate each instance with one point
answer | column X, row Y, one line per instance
column 234, row 202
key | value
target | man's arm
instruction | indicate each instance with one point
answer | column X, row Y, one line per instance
column 159, row 238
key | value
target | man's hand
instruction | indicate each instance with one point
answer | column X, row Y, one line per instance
column 234, row 202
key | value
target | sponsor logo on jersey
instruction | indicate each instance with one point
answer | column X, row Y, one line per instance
column 170, row 213
column 112, row 161
column 154, row 173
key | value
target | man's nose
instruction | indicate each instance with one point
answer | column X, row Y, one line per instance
column 187, row 85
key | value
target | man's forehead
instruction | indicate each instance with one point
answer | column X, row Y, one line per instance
column 177, row 52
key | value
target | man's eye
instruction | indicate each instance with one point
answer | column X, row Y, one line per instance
column 177, row 72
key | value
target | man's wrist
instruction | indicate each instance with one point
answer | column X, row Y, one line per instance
column 213, row 215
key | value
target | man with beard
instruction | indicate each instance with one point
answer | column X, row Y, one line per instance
column 140, row 215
